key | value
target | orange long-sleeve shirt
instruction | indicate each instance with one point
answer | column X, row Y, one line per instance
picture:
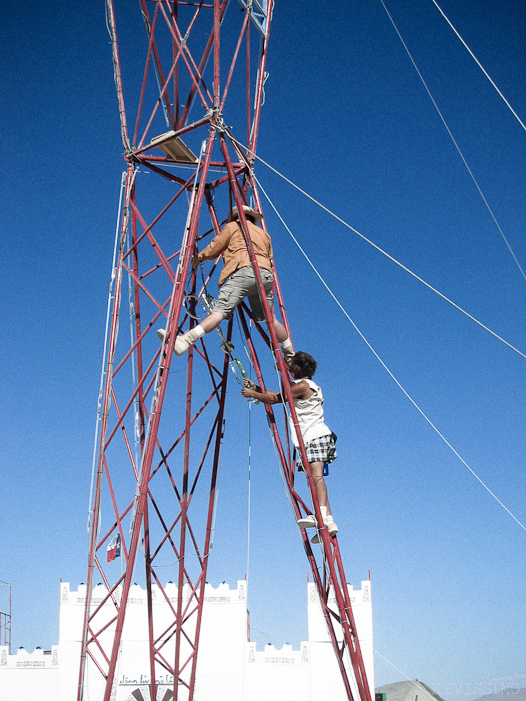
column 231, row 243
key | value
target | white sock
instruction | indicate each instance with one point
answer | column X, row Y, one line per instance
column 323, row 510
column 199, row 331
column 287, row 343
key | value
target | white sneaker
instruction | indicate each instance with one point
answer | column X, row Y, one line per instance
column 307, row 522
column 331, row 527
column 183, row 343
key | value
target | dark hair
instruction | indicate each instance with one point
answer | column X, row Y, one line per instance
column 303, row 365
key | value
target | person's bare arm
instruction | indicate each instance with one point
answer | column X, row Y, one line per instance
column 251, row 391
column 298, row 391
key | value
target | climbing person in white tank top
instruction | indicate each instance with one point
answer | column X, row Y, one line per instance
column 319, row 440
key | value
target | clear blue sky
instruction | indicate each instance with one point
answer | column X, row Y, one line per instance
column 346, row 118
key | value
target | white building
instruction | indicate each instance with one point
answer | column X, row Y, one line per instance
column 229, row 666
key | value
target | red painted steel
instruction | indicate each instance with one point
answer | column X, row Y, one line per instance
column 162, row 418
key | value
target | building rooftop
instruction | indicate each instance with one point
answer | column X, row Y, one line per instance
column 412, row 690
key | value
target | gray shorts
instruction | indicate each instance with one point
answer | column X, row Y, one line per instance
column 243, row 284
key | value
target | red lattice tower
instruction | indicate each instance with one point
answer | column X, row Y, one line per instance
column 160, row 431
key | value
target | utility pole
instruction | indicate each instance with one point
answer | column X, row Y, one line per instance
column 5, row 616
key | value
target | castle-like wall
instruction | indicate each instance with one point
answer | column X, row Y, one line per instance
column 25, row 674
column 230, row 668
column 323, row 661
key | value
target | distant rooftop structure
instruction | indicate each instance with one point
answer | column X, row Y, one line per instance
column 412, row 690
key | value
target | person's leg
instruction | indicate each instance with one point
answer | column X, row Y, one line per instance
column 241, row 284
column 183, row 342
column 230, row 294
column 211, row 322
column 310, row 521
column 284, row 341
column 259, row 315
column 316, row 470
column 281, row 331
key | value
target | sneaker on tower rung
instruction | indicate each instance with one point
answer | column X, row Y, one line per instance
column 307, row 522
column 331, row 527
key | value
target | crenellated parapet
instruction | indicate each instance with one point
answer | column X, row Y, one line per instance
column 28, row 675
column 22, row 659
column 222, row 594
column 229, row 667
column 285, row 655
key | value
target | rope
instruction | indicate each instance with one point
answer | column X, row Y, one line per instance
column 103, row 372
column 454, row 141
column 380, row 250
column 206, row 300
column 278, row 461
column 133, row 359
column 216, row 497
column 386, row 368
column 249, row 485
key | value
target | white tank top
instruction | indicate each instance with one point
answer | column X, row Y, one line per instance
column 310, row 415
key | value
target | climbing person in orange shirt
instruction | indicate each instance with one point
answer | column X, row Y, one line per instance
column 237, row 280
column 319, row 440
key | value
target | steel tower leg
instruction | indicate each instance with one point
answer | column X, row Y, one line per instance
column 161, row 429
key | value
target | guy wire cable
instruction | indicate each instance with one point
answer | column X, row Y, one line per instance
column 480, row 66
column 413, row 681
column 455, row 144
column 385, row 366
column 394, row 260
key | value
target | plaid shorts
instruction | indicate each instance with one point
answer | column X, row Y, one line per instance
column 322, row 449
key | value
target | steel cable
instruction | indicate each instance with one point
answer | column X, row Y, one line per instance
column 413, row 402
column 455, row 144
column 394, row 260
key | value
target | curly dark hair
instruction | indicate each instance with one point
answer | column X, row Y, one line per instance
column 303, row 365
